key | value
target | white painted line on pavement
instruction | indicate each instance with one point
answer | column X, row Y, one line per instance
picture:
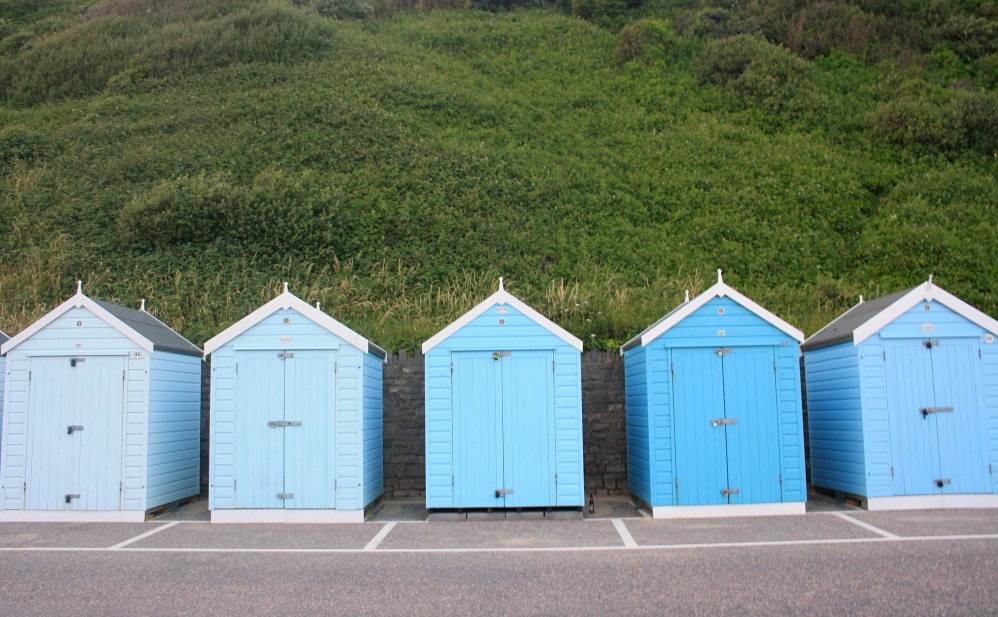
column 866, row 526
column 141, row 536
column 376, row 540
column 549, row 549
column 624, row 534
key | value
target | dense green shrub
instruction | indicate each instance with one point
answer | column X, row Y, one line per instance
column 917, row 123
column 970, row 36
column 606, row 13
column 977, row 114
column 19, row 143
column 186, row 210
column 648, row 40
column 757, row 71
column 342, row 9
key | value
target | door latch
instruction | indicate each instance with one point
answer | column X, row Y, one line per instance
column 930, row 344
column 927, row 410
column 70, row 498
column 280, row 423
column 73, row 428
column 722, row 350
column 941, row 482
column 285, row 495
column 286, row 355
column 75, row 361
column 500, row 492
column 729, row 491
column 723, row 421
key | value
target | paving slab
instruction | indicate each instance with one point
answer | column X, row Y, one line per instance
column 613, row 507
column 647, row 532
column 69, row 535
column 502, row 534
column 399, row 510
column 820, row 502
column 918, row 523
column 261, row 536
column 194, row 511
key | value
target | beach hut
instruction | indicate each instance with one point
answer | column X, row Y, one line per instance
column 503, row 410
column 902, row 397
column 101, row 417
column 3, row 378
column 713, row 399
column 296, row 418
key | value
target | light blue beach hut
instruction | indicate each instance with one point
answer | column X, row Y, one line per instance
column 3, row 378
column 713, row 399
column 503, row 410
column 102, row 415
column 296, row 418
column 902, row 396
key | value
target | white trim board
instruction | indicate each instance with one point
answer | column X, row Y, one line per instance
column 792, row 508
column 926, row 292
column 289, row 301
column 502, row 297
column 277, row 515
column 930, row 502
column 78, row 301
column 718, row 290
column 72, row 516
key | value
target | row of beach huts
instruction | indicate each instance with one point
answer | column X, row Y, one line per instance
column 101, row 411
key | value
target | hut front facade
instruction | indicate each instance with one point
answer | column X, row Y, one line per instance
column 503, row 410
column 102, row 411
column 3, row 378
column 296, row 418
column 713, row 399
column 902, row 397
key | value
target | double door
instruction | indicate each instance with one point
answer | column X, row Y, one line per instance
column 935, row 402
column 504, row 429
column 75, row 427
column 285, row 429
column 726, row 426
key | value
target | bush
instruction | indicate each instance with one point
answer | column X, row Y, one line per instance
column 342, row 9
column 185, row 210
column 971, row 37
column 757, row 71
column 648, row 40
column 605, row 13
column 977, row 114
column 919, row 124
column 19, row 143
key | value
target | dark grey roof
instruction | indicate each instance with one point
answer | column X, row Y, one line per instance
column 841, row 329
column 162, row 337
column 3, row 338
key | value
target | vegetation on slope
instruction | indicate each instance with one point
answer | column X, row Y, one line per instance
column 198, row 153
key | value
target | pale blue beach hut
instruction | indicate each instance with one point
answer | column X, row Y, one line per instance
column 296, row 417
column 713, row 399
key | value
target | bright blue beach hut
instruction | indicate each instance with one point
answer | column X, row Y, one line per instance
column 296, row 418
column 713, row 398
column 102, row 415
column 503, row 410
column 902, row 396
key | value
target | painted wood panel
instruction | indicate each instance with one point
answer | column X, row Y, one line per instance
column 753, row 448
column 701, row 457
column 174, row 451
column 636, row 423
column 374, row 466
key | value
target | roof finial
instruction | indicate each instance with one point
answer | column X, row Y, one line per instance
column 143, row 305
column 687, row 296
column 930, row 279
column 318, row 305
column 500, row 284
column 719, row 280
column 285, row 287
column 79, row 287
column 861, row 298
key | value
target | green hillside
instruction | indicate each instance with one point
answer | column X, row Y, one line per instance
column 602, row 157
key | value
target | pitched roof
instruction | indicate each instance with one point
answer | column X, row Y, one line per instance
column 681, row 312
column 286, row 301
column 502, row 297
column 3, row 337
column 139, row 326
column 867, row 318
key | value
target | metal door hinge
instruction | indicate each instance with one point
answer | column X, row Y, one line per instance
column 452, row 480
column 556, row 479
column 723, row 421
column 285, row 495
column 235, row 485
column 70, row 498
column 781, row 478
column 892, row 471
column 941, row 482
column 729, row 491
column 925, row 411
column 885, row 356
column 336, row 484
column 284, row 355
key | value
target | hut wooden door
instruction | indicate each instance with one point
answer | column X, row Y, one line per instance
column 726, row 426
column 285, row 430
column 503, row 419
column 935, row 402
column 75, row 433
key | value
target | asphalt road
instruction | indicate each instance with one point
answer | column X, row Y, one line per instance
column 879, row 577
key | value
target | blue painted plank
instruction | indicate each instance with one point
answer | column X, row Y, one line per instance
column 701, row 458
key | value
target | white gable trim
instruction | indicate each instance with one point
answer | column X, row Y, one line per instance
column 502, row 297
column 78, row 301
column 286, row 301
column 719, row 290
column 926, row 292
